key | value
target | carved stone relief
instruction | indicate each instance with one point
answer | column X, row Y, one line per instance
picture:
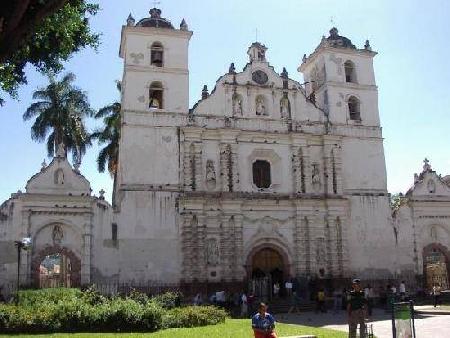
column 137, row 58
column 212, row 252
column 57, row 235
column 338, row 62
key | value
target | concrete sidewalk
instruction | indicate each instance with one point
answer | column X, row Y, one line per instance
column 427, row 326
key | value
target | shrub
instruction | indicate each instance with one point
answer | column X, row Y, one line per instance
column 70, row 310
column 54, row 295
column 192, row 316
column 168, row 300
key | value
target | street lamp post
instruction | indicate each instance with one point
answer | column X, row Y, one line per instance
column 23, row 244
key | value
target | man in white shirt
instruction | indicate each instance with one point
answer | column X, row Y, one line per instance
column 402, row 289
column 288, row 286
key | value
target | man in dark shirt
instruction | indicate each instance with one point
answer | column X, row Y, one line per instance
column 356, row 309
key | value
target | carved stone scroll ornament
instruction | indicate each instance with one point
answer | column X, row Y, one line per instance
column 210, row 175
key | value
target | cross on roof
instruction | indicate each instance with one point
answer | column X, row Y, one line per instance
column 156, row 2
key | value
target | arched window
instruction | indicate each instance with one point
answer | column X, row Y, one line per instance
column 155, row 96
column 350, row 75
column 353, row 108
column 261, row 174
column 157, row 53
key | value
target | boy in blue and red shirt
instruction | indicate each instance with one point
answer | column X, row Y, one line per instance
column 263, row 323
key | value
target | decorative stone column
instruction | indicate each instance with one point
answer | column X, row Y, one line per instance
column 186, row 246
column 238, row 267
column 235, row 168
column 201, row 271
column 226, row 167
column 337, row 156
column 198, row 164
column 86, row 250
column 226, row 247
column 187, row 167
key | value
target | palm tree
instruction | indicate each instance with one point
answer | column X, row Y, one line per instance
column 109, row 135
column 60, row 114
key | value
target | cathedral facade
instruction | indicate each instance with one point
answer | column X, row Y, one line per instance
column 264, row 178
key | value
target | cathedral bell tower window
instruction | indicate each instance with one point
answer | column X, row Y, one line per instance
column 157, row 52
column 156, row 96
column 350, row 75
column 261, row 174
column 354, row 108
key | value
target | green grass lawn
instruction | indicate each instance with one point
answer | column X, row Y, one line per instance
column 232, row 328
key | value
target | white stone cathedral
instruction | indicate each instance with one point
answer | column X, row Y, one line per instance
column 263, row 179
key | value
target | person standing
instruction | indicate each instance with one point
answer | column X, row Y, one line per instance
column 356, row 309
column 321, row 300
column 370, row 300
column 436, row 295
column 337, row 300
column 288, row 287
column 244, row 306
column 263, row 323
column 276, row 289
column 295, row 301
column 402, row 290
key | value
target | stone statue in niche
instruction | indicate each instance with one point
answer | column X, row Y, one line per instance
column 237, row 105
column 210, row 175
column 260, row 108
column 320, row 251
column 59, row 177
column 315, row 179
column 284, row 107
column 212, row 252
column 57, row 235
column 431, row 186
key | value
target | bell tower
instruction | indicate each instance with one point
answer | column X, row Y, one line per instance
column 340, row 78
column 156, row 74
column 155, row 103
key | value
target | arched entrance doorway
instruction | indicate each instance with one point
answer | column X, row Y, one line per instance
column 266, row 266
column 436, row 266
column 55, row 271
column 56, row 267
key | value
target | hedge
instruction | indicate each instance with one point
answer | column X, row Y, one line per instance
column 72, row 310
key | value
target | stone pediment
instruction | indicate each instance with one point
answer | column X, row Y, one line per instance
column 429, row 184
column 58, row 178
column 258, row 91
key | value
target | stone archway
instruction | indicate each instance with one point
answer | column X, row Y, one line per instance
column 436, row 265
column 40, row 256
column 266, row 265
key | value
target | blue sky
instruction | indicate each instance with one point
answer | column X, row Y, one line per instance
column 411, row 70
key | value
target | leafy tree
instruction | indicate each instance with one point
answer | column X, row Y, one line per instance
column 397, row 200
column 60, row 114
column 109, row 135
column 43, row 33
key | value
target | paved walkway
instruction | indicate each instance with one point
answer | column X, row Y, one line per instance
column 427, row 326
